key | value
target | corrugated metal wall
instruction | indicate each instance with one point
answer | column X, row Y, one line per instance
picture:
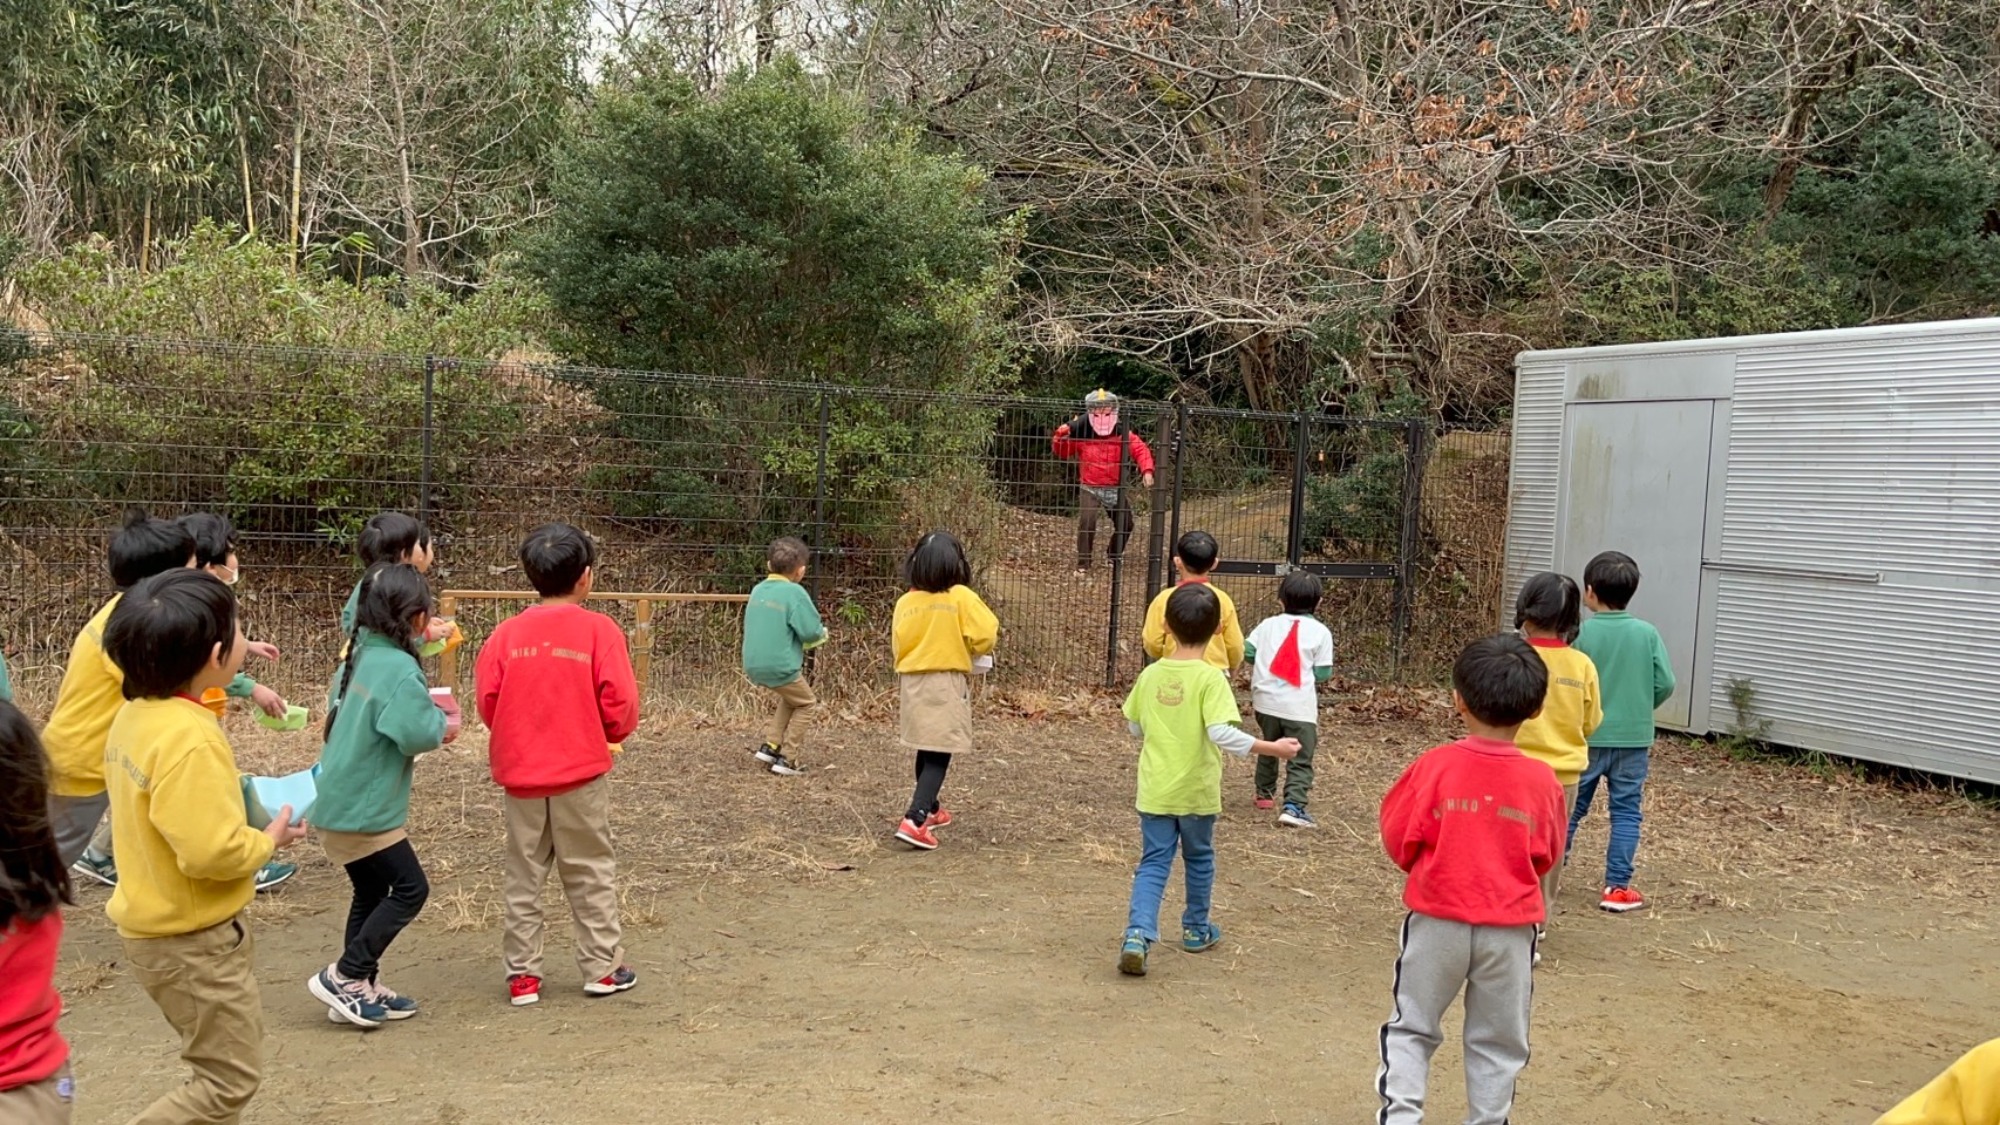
column 1879, row 456
column 1534, row 476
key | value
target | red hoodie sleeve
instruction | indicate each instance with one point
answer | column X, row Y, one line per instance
column 1407, row 826
column 487, row 672
column 1140, row 454
column 617, row 688
column 1063, row 446
column 1547, row 845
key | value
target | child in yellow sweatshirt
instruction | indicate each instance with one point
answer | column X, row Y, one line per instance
column 188, row 858
column 1548, row 613
column 1966, row 1094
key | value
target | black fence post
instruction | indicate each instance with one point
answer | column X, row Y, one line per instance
column 1415, row 430
column 430, row 398
column 1156, row 521
column 1111, row 629
column 1296, row 518
column 819, row 492
column 1180, row 460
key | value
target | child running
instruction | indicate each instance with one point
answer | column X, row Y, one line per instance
column 1547, row 613
column 385, row 719
column 1184, row 710
column 1290, row 655
column 1194, row 556
column 35, row 1084
column 1636, row 677
column 1475, row 823
column 942, row 633
column 89, row 697
column 190, row 862
column 556, row 690
column 779, row 625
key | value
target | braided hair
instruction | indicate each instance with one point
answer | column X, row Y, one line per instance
column 34, row 883
column 391, row 594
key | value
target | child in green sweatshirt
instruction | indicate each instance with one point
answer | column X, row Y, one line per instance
column 779, row 625
column 1634, row 678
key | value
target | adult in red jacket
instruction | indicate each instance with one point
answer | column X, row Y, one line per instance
column 1099, row 443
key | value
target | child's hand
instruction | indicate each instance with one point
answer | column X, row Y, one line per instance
column 282, row 831
column 1287, row 748
column 268, row 701
column 262, row 650
column 438, row 629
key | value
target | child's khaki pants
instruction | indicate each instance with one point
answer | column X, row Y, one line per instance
column 206, row 986
column 792, row 698
column 571, row 833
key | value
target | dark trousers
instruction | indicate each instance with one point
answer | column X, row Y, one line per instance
column 931, row 767
column 1086, row 525
column 1298, row 771
column 389, row 890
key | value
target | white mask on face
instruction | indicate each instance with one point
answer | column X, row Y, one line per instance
column 229, row 576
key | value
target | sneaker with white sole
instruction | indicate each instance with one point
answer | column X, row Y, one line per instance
column 1296, row 816
column 394, row 1005
column 272, row 874
column 523, row 990
column 618, row 980
column 785, row 767
column 1621, row 900
column 103, row 871
column 768, row 753
column 350, row 1000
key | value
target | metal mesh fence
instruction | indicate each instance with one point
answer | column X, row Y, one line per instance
column 685, row 480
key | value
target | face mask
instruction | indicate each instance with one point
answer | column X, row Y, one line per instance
column 1102, row 423
column 235, row 576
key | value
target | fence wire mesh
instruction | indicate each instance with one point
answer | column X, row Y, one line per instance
column 685, row 479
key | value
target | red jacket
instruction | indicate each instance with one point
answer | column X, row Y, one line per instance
column 30, row 1047
column 555, row 687
column 1103, row 466
column 1476, row 823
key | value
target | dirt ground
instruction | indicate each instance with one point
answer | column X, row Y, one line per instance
column 1818, row 946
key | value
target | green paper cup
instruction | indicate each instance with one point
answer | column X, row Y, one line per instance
column 295, row 719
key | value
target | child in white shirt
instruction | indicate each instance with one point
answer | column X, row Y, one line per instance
column 1290, row 655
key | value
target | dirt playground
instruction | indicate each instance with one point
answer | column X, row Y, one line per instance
column 1818, row 946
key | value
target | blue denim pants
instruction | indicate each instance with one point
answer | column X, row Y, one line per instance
column 1623, row 772
column 1194, row 837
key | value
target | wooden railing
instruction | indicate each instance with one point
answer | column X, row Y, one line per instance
column 642, row 629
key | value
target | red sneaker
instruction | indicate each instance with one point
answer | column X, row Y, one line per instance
column 1620, row 900
column 523, row 990
column 1267, row 803
column 916, row 835
column 939, row 819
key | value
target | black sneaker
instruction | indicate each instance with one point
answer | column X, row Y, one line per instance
column 768, row 754
column 784, row 766
column 104, row 870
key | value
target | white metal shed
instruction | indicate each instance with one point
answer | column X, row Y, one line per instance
column 1817, row 513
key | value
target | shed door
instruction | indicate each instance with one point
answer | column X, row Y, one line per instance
column 1635, row 479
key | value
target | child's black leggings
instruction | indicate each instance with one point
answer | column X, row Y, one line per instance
column 931, row 767
column 389, row 890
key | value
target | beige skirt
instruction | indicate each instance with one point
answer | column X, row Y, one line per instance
column 937, row 711
column 344, row 848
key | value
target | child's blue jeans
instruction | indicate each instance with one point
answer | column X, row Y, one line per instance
column 1623, row 772
column 1194, row 836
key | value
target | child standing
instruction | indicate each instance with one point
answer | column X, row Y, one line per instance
column 556, row 690
column 1290, row 655
column 385, row 719
column 1636, row 677
column 1547, row 613
column 1474, row 823
column 89, row 697
column 1184, row 710
column 943, row 632
column 35, row 1083
column 779, row 625
column 1194, row 556
column 392, row 537
column 190, row 861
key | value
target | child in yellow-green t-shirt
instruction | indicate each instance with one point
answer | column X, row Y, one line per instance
column 1185, row 711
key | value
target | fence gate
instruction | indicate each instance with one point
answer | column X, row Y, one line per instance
column 1288, row 493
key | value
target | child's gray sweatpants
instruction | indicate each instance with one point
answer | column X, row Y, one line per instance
column 1496, row 966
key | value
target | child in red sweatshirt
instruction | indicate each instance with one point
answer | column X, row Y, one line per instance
column 35, row 1081
column 555, row 688
column 1476, row 824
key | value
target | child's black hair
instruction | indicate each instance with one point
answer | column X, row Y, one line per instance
column 788, row 554
column 1501, row 679
column 214, row 537
column 555, row 555
column 391, row 594
column 166, row 629
column 34, row 883
column 1197, row 552
column 390, row 537
column 1194, row 613
column 1550, row 601
column 145, row 546
column 1613, row 577
column 937, row 563
column 1300, row 592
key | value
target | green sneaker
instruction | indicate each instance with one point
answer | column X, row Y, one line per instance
column 103, row 870
column 271, row 874
column 1132, row 956
column 1194, row 941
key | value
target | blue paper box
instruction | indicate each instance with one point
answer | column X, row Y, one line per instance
column 264, row 796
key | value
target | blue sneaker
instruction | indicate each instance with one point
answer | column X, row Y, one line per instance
column 351, row 1000
column 271, row 874
column 1194, row 941
column 103, row 870
column 1295, row 816
column 1132, row 955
